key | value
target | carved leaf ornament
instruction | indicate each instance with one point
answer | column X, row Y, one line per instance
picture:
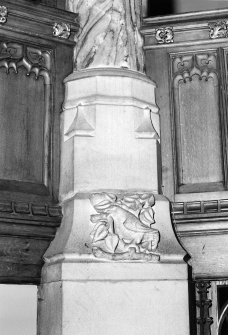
column 61, row 30
column 218, row 29
column 123, row 227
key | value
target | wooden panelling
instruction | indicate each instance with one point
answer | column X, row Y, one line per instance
column 51, row 3
column 22, row 250
column 33, row 65
column 154, row 63
column 21, row 126
column 187, row 57
column 195, row 85
column 25, row 141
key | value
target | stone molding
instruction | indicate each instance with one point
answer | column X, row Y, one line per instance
column 138, row 88
column 109, row 72
column 87, row 89
column 120, row 271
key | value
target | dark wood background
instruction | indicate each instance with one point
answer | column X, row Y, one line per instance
column 33, row 65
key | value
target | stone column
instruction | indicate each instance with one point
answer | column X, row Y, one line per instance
column 115, row 266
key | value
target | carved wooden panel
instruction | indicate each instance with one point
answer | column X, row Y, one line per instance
column 204, row 320
column 198, row 145
column 34, row 60
column 51, row 3
column 24, row 118
column 191, row 77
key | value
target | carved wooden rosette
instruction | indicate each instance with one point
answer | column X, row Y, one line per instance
column 204, row 320
column 3, row 14
column 218, row 29
column 61, row 30
column 164, row 35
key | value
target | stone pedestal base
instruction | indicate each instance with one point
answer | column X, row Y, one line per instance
column 109, row 189
column 114, row 299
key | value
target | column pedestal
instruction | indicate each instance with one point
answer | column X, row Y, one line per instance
column 115, row 266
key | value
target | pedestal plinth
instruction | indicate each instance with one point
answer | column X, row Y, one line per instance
column 120, row 298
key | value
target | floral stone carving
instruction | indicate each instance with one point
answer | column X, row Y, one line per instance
column 123, row 227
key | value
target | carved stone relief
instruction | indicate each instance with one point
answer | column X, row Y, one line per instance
column 105, row 35
column 164, row 35
column 218, row 29
column 123, row 227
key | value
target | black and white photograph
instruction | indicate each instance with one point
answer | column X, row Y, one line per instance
column 113, row 167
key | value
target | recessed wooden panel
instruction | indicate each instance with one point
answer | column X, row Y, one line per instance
column 197, row 124
column 25, row 119
column 33, row 65
column 200, row 152
column 21, row 126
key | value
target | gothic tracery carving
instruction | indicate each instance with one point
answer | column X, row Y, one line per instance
column 185, row 66
column 123, row 227
column 36, row 61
